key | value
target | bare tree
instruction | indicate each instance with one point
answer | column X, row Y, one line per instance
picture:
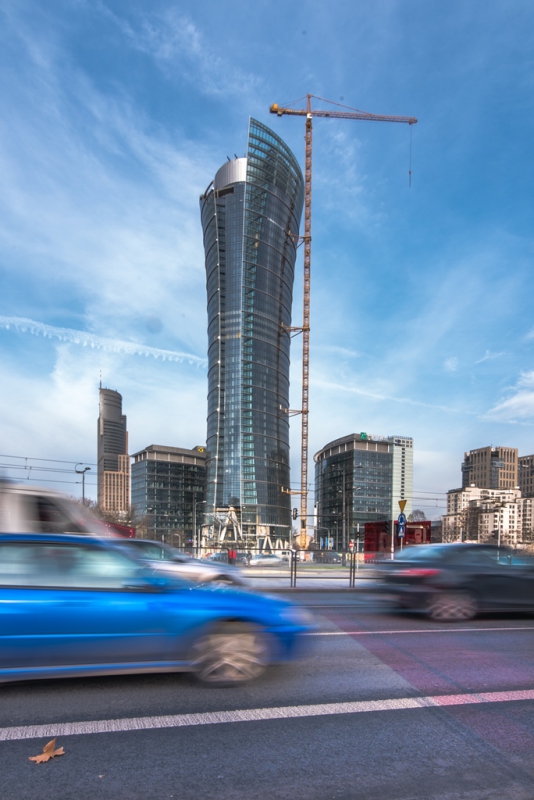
column 417, row 515
column 130, row 518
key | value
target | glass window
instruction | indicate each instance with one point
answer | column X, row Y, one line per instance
column 44, row 515
column 63, row 566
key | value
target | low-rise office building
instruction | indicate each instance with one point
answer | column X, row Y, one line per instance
column 168, row 489
column 360, row 478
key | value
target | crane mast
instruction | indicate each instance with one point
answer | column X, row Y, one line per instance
column 309, row 113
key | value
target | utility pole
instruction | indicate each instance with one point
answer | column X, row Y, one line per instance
column 309, row 113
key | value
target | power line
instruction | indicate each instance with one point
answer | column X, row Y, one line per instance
column 51, row 460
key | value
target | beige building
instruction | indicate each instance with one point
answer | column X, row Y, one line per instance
column 490, row 468
column 115, row 488
column 487, row 515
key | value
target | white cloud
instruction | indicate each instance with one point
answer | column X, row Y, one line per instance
column 377, row 395
column 520, row 405
column 344, row 352
column 489, row 356
column 54, row 415
column 102, row 203
column 179, row 48
column 451, row 364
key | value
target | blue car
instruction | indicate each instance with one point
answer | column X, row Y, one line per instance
column 73, row 605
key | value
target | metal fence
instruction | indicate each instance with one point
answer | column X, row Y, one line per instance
column 293, row 567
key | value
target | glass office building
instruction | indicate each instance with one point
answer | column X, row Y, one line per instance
column 360, row 478
column 250, row 218
column 168, row 489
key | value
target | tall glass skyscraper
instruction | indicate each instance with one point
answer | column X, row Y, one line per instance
column 250, row 218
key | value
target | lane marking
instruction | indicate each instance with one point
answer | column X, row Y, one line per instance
column 255, row 715
column 415, row 630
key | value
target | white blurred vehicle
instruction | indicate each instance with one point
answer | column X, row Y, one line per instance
column 165, row 558
column 31, row 509
column 267, row 560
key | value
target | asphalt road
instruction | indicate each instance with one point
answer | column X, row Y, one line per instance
column 385, row 706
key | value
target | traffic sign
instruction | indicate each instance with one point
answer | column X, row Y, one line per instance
column 351, row 544
column 401, row 530
column 402, row 505
column 401, row 519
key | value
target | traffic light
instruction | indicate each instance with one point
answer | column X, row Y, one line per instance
column 295, row 513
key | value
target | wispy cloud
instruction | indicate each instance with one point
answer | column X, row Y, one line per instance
column 451, row 364
column 520, row 405
column 344, row 352
column 489, row 356
column 179, row 48
column 391, row 398
column 97, row 342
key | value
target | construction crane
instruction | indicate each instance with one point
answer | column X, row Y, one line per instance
column 309, row 113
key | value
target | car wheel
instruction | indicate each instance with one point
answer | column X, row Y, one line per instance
column 222, row 580
column 230, row 655
column 452, row 607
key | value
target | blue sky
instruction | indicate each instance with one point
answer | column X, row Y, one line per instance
column 114, row 118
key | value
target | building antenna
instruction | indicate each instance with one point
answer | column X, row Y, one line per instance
column 100, row 378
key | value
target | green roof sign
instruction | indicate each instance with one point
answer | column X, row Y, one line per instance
column 363, row 436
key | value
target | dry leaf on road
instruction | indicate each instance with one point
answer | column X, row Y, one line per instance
column 49, row 752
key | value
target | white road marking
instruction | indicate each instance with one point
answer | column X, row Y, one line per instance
column 416, row 630
column 255, row 715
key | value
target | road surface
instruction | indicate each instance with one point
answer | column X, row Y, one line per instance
column 385, row 707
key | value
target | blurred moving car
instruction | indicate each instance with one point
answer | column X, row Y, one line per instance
column 327, row 557
column 267, row 560
column 31, row 509
column 165, row 558
column 452, row 582
column 74, row 605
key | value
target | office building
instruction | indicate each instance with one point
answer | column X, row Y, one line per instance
column 361, row 478
column 250, row 218
column 112, row 454
column 525, row 475
column 490, row 468
column 168, row 489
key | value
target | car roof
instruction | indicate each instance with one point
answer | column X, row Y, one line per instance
column 7, row 485
column 57, row 538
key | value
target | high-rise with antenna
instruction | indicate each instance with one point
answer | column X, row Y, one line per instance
column 113, row 459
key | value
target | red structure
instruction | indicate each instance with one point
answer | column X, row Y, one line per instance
column 114, row 529
column 377, row 541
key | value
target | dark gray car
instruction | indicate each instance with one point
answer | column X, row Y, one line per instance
column 451, row 582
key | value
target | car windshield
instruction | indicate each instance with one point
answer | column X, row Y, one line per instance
column 422, row 553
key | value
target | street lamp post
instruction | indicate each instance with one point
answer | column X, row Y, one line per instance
column 82, row 473
column 196, row 538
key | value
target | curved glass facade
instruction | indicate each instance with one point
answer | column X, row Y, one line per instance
column 250, row 218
